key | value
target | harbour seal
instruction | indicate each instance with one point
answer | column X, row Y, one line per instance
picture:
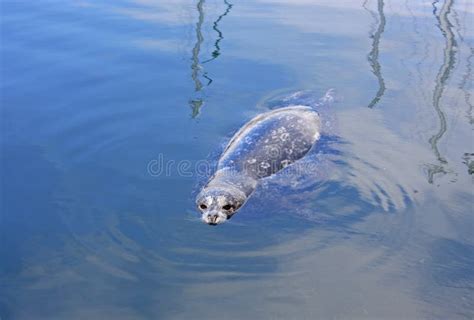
column 263, row 146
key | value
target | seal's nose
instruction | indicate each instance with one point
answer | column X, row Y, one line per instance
column 213, row 219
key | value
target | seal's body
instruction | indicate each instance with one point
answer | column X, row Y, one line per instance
column 265, row 145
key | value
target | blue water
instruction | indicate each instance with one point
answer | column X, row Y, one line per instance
column 94, row 93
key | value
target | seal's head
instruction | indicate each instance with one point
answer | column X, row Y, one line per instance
column 219, row 203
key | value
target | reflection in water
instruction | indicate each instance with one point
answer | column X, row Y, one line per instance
column 467, row 79
column 469, row 162
column 220, row 36
column 416, row 42
column 424, row 58
column 196, row 66
column 443, row 74
column 373, row 26
column 373, row 55
column 465, row 86
column 196, row 104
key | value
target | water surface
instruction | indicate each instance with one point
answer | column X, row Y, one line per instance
column 93, row 92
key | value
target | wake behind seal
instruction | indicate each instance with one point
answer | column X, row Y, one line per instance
column 262, row 147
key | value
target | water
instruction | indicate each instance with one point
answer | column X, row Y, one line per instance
column 93, row 92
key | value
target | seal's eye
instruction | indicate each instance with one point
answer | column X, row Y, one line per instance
column 203, row 206
column 227, row 207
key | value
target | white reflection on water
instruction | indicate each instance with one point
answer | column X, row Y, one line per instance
column 376, row 165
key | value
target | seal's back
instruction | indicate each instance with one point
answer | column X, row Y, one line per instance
column 271, row 141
